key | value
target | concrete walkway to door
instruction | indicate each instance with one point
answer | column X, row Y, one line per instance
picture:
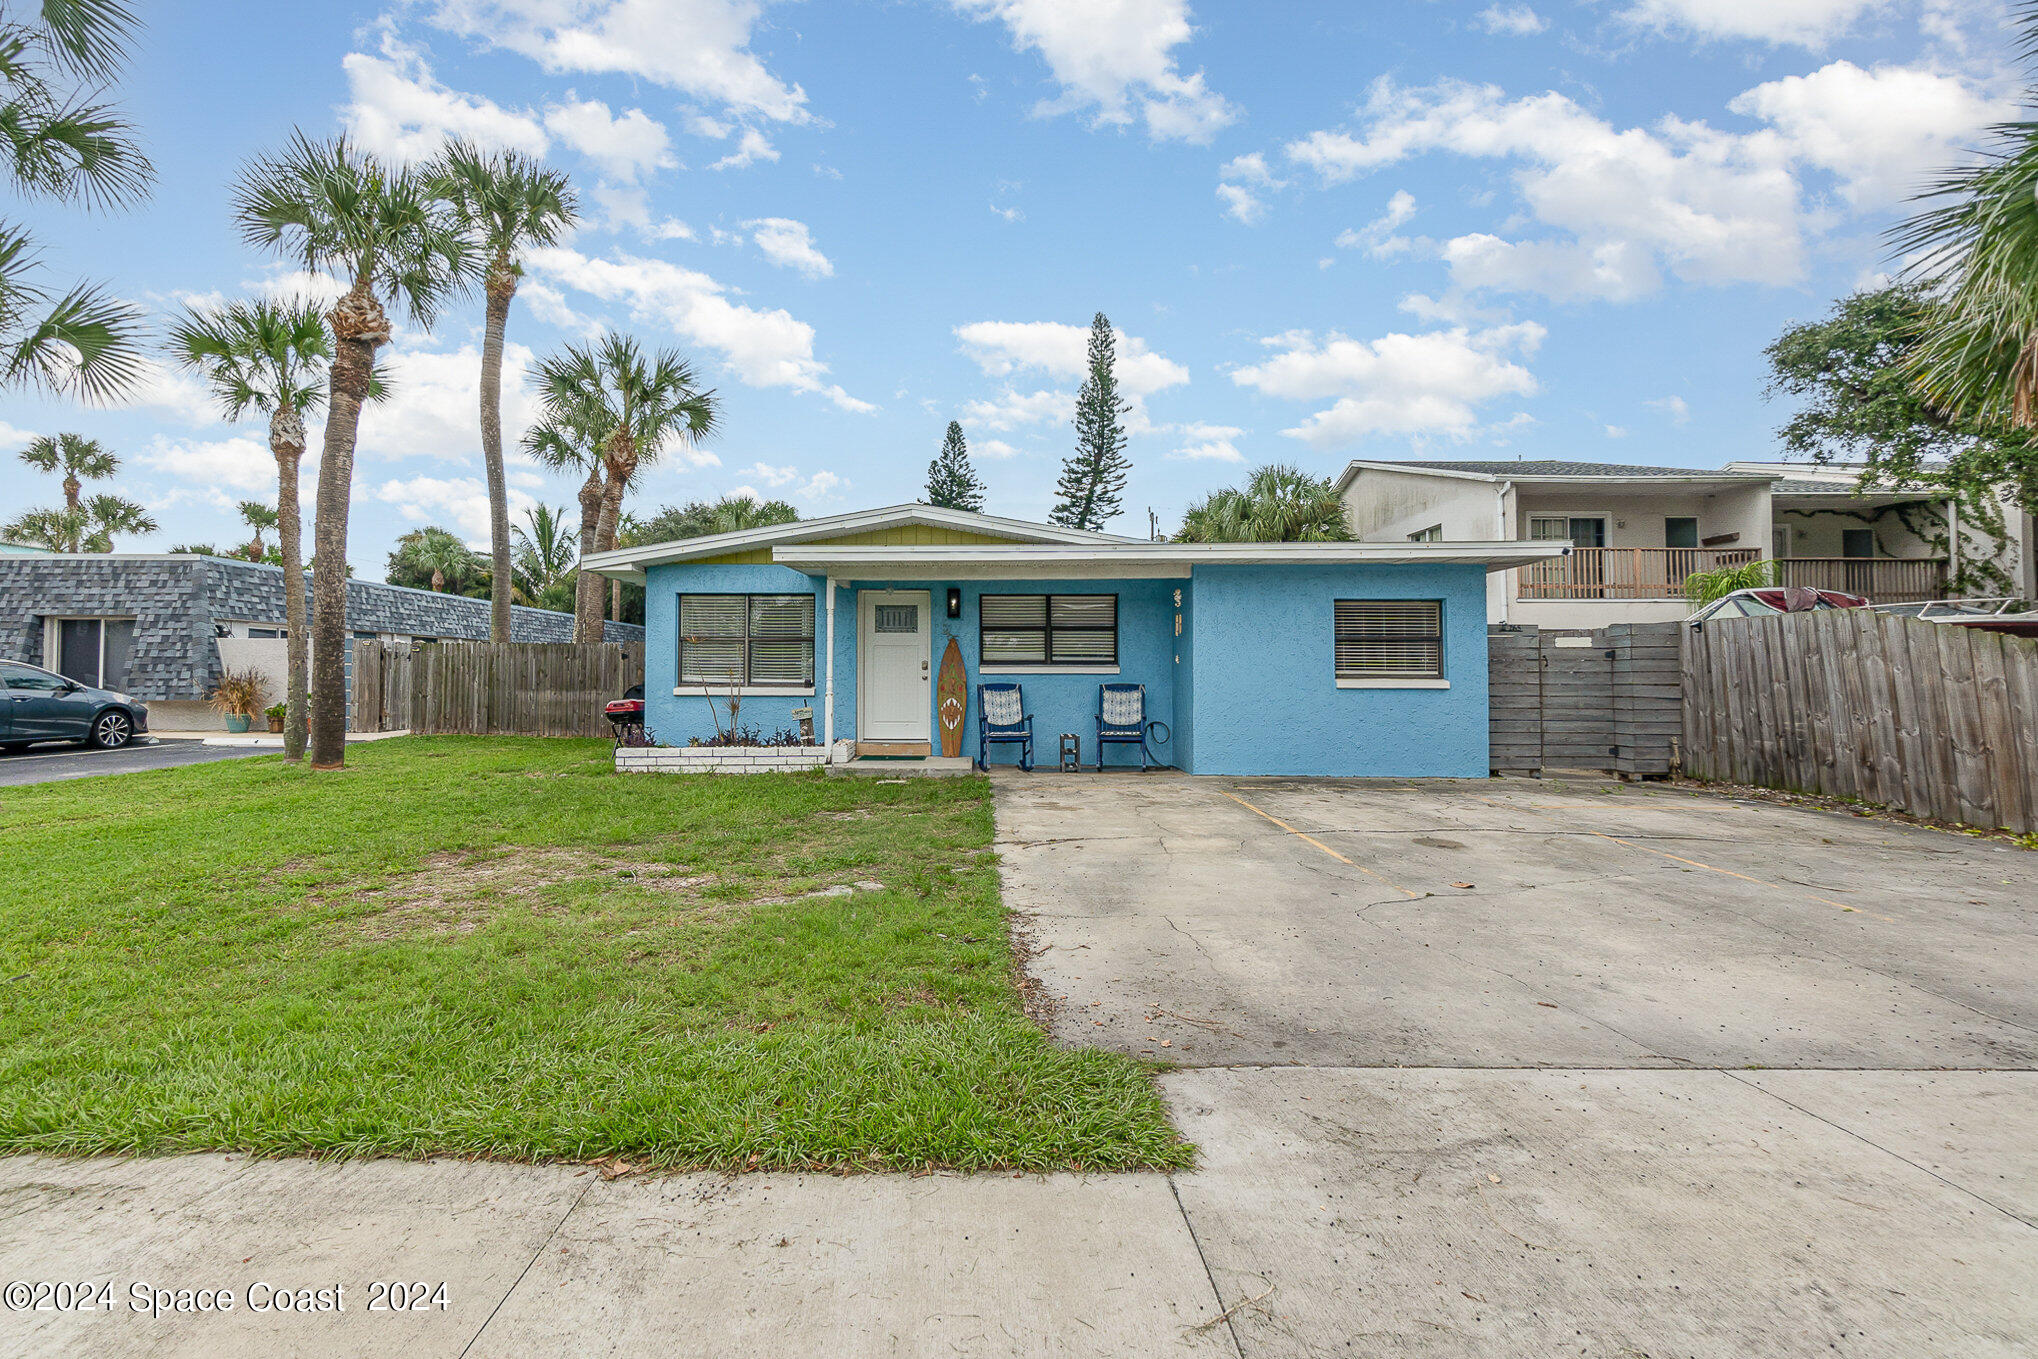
column 1507, row 1068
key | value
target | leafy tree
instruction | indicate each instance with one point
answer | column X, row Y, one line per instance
column 507, row 203
column 730, row 514
column 952, row 482
column 326, row 207
column 82, row 524
column 433, row 558
column 194, row 550
column 261, row 519
column 1278, row 504
column 1093, row 477
column 613, row 397
column 58, row 142
column 265, row 358
column 1852, row 371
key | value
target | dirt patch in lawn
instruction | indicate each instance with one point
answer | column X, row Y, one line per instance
column 454, row 892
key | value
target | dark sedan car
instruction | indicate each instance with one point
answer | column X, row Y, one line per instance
column 38, row 705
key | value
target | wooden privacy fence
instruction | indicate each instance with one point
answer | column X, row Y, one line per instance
column 491, row 688
column 1602, row 698
column 1931, row 718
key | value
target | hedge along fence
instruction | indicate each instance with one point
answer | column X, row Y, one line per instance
column 491, row 688
column 1934, row 719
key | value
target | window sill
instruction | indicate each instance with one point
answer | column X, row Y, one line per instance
column 1049, row 670
column 741, row 691
column 1393, row 684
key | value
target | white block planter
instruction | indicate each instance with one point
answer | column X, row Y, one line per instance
column 718, row 759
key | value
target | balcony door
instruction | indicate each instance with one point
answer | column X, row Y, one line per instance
column 1584, row 570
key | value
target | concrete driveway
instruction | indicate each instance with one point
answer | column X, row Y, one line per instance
column 52, row 763
column 1534, row 1068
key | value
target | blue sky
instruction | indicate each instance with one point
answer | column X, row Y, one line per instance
column 1323, row 231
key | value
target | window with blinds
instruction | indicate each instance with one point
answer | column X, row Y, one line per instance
column 751, row 641
column 1024, row 630
column 1390, row 639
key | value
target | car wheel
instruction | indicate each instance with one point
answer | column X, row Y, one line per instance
column 111, row 730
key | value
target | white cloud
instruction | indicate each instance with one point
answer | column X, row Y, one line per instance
column 1626, row 207
column 751, row 147
column 175, row 391
column 238, row 463
column 1676, row 407
column 398, row 109
column 790, row 245
column 1011, row 409
column 1242, row 182
column 1427, row 384
column 1616, row 432
column 460, row 501
column 996, row 449
column 1207, row 443
column 699, row 47
column 763, row 348
column 1009, row 214
column 1517, row 20
column 772, row 476
column 433, row 410
column 1377, row 237
column 1061, row 350
column 1807, row 23
column 624, row 145
column 1876, row 130
column 1115, row 57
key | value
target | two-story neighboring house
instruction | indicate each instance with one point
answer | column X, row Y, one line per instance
column 1637, row 532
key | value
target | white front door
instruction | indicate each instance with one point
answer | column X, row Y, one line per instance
column 894, row 686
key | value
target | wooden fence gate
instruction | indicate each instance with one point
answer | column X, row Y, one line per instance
column 491, row 688
column 1934, row 719
column 1603, row 698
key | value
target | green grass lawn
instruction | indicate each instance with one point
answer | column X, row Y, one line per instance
column 500, row 947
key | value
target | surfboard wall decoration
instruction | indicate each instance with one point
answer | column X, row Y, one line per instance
column 951, row 699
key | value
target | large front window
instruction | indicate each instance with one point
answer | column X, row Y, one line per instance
column 92, row 651
column 748, row 641
column 1047, row 630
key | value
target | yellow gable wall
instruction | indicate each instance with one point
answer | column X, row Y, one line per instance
column 900, row 535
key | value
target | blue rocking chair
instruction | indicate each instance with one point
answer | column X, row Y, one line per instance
column 1121, row 720
column 1002, row 719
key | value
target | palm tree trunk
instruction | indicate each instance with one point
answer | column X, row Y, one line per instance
column 620, row 467
column 502, row 286
column 590, row 519
column 359, row 326
column 286, row 441
column 615, row 601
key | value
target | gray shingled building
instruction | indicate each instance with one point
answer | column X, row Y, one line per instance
column 151, row 625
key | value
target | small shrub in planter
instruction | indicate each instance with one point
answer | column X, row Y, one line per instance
column 751, row 736
column 237, row 697
column 276, row 712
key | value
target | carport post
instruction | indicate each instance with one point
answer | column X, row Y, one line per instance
column 828, row 699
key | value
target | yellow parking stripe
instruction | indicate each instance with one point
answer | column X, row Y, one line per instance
column 1320, row 845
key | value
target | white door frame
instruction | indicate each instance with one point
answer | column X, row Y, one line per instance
column 866, row 626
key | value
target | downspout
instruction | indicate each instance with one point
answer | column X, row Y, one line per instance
column 1503, row 532
column 828, row 702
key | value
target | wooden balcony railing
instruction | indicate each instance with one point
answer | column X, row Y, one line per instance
column 1885, row 580
column 1626, row 572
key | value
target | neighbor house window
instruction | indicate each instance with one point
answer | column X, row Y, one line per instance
column 92, row 651
column 1433, row 534
column 1680, row 531
column 1044, row 630
column 1390, row 639
column 751, row 641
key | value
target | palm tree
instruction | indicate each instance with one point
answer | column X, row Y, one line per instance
column 266, row 357
column 327, row 207
column 507, row 203
column 629, row 533
column 563, row 446
column 433, row 555
column 82, row 525
column 58, row 143
column 261, row 519
column 628, row 405
column 1278, row 504
column 544, row 555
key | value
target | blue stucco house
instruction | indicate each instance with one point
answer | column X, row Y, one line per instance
column 1352, row 659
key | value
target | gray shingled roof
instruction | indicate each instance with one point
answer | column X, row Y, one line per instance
column 1557, row 467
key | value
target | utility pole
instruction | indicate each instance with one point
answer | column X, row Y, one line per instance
column 1153, row 525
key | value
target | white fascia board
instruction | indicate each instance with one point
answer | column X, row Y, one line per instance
column 1358, row 465
column 860, row 521
column 1144, row 559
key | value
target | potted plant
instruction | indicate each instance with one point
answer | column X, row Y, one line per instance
column 237, row 697
column 276, row 712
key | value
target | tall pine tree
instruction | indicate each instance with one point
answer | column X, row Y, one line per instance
column 952, row 482
column 1093, row 478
